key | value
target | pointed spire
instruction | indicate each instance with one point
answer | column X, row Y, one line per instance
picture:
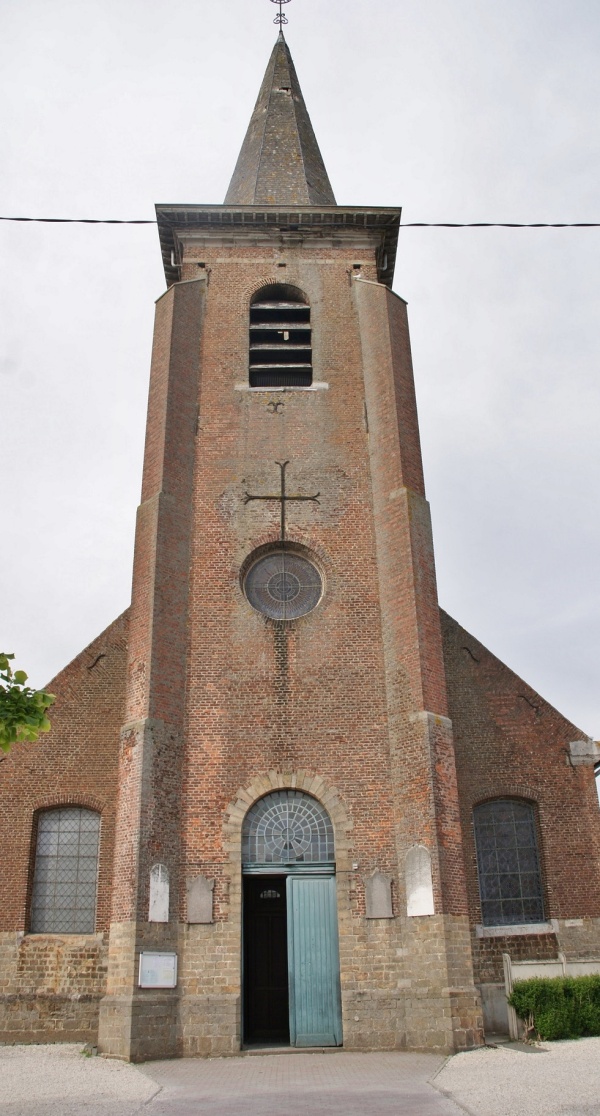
column 280, row 162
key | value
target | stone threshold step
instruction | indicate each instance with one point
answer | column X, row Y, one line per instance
column 258, row 1050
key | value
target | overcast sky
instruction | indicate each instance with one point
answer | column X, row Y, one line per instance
column 458, row 111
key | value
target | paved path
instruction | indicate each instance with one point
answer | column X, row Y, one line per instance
column 331, row 1084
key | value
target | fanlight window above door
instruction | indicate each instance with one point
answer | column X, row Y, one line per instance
column 287, row 827
column 280, row 338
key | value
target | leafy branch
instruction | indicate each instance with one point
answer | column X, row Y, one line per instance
column 23, row 711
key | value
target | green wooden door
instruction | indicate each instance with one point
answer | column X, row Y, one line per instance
column 313, row 962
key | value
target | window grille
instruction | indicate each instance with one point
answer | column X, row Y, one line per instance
column 287, row 827
column 280, row 339
column 510, row 882
column 66, row 869
column 283, row 585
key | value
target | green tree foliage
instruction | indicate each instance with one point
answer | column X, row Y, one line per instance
column 561, row 1007
column 23, row 711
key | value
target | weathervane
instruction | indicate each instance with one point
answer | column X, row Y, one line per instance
column 280, row 18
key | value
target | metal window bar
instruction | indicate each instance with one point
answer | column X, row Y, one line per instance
column 510, row 881
column 66, row 870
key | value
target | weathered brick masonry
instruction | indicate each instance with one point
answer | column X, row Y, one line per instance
column 51, row 985
column 510, row 742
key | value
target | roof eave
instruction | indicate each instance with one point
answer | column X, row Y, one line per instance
column 174, row 218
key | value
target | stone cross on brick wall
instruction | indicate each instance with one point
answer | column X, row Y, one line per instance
column 282, row 497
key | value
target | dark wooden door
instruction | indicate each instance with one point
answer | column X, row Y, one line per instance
column 266, row 998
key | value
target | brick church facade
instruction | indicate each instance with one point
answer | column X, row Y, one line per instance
column 285, row 798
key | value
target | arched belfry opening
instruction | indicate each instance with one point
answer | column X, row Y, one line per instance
column 280, row 344
column 291, row 953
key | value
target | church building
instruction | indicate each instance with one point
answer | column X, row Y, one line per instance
column 286, row 799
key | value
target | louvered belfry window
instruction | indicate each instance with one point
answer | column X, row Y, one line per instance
column 63, row 899
column 280, row 338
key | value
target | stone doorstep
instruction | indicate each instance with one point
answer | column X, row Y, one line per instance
column 258, row 1050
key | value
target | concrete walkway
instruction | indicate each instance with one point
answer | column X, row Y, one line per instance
column 554, row 1079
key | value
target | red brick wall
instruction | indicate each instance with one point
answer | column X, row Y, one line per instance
column 148, row 819
column 76, row 762
column 510, row 742
column 422, row 751
column 310, row 696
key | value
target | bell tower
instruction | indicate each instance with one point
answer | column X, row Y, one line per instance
column 286, row 701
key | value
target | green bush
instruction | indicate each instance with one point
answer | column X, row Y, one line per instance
column 561, row 1007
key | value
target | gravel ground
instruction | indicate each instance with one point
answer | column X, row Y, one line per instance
column 549, row 1079
column 59, row 1080
column 552, row 1079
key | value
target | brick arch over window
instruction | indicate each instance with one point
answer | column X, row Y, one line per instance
column 280, row 341
column 65, row 871
column 508, row 862
column 54, row 802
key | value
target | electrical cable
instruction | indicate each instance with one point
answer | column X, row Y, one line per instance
column 78, row 220
column 403, row 224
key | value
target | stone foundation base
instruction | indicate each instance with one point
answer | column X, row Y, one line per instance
column 51, row 986
column 47, row 1018
column 141, row 1027
column 407, row 984
column 211, row 1025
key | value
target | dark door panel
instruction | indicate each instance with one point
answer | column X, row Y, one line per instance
column 266, row 998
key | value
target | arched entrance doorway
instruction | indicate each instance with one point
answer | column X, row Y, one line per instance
column 291, row 954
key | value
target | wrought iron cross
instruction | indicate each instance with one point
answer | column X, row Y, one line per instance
column 282, row 497
column 280, row 19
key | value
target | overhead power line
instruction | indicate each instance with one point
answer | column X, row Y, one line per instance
column 403, row 224
column 78, row 220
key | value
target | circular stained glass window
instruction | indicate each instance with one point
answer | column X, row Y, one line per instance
column 283, row 585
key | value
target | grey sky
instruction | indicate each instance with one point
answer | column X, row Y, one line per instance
column 455, row 110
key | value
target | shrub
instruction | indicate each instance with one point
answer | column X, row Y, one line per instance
column 561, row 1007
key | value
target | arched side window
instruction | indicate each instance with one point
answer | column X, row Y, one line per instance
column 287, row 827
column 280, row 338
column 63, row 899
column 508, row 864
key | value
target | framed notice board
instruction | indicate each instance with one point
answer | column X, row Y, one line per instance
column 158, row 970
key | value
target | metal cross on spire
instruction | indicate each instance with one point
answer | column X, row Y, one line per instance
column 282, row 497
column 280, row 18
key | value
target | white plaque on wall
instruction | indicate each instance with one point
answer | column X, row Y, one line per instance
column 158, row 910
column 158, row 970
column 419, row 884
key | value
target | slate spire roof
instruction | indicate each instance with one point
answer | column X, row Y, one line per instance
column 280, row 162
